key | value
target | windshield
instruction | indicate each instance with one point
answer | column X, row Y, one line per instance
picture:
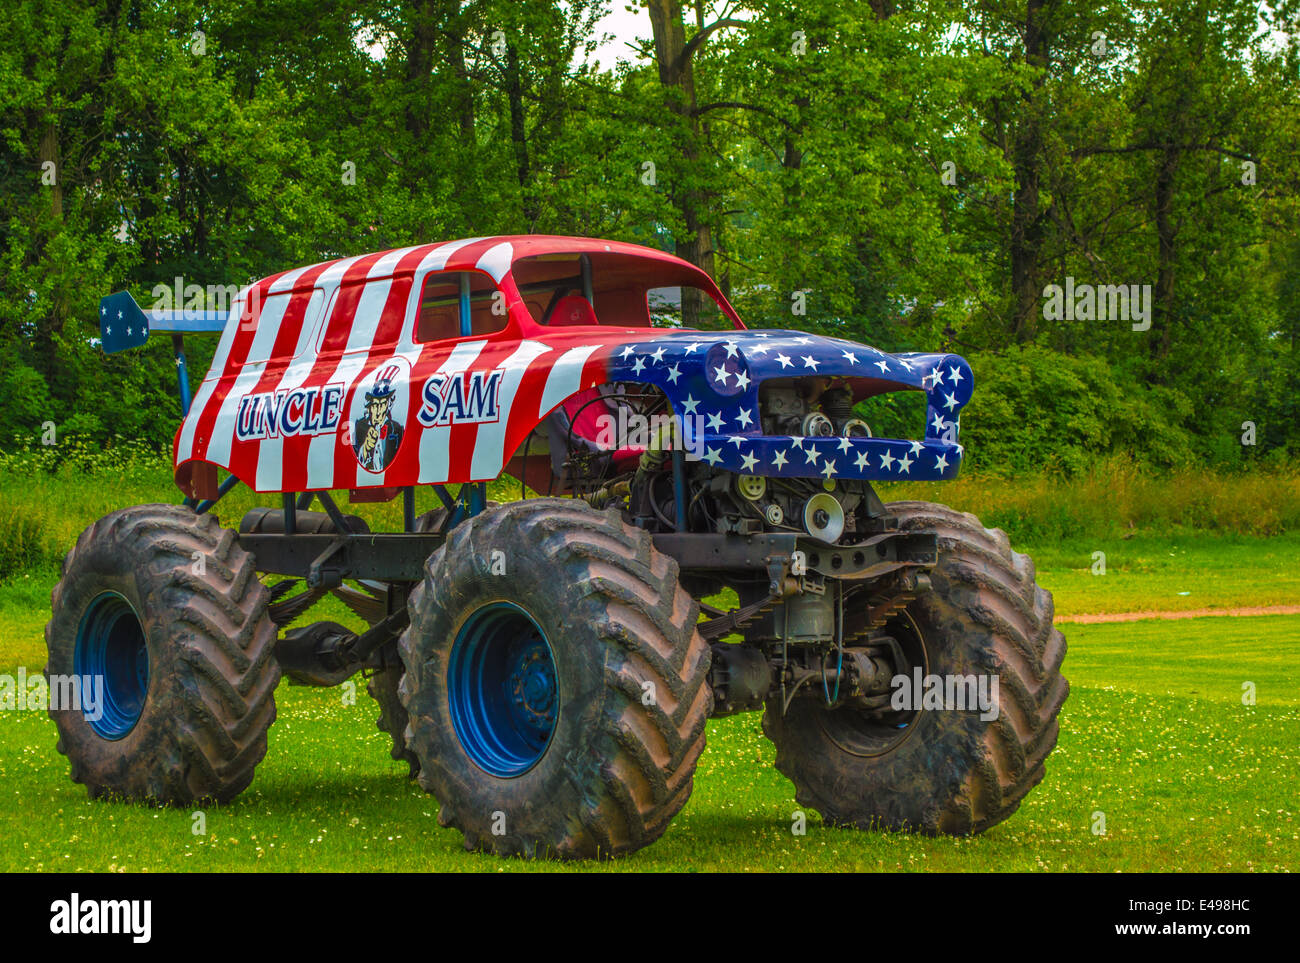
column 619, row 290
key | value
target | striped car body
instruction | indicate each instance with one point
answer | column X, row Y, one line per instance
column 305, row 354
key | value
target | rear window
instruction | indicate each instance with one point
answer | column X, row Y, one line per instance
column 622, row 290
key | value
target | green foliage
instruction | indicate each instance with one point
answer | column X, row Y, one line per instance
column 1036, row 409
column 921, row 171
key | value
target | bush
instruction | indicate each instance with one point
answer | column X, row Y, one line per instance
column 1036, row 410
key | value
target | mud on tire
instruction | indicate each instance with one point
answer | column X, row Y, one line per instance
column 168, row 609
column 615, row 766
column 382, row 687
column 949, row 771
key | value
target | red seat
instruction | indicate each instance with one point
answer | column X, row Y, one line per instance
column 574, row 310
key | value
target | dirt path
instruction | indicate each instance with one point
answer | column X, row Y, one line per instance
column 1184, row 614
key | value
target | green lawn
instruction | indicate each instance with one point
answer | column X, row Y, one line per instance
column 1150, row 573
column 1154, row 736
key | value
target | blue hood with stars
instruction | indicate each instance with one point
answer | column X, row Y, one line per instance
column 712, row 380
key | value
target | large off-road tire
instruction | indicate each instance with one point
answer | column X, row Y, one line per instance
column 558, row 704
column 941, row 770
column 165, row 608
column 382, row 685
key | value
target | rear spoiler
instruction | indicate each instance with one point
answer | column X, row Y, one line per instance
column 124, row 324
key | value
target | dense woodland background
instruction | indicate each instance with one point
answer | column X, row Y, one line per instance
column 920, row 170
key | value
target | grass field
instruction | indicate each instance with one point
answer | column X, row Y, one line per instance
column 1188, row 779
column 1154, row 736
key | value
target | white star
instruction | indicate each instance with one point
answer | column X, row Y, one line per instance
column 797, row 441
column 673, row 375
column 731, row 348
column 811, row 456
column 736, row 440
column 850, row 357
column 905, row 465
column 809, row 362
column 721, row 375
column 638, row 365
column 712, row 456
column 886, row 460
column 119, row 315
column 905, row 364
column 747, row 462
column 715, row 421
column 954, row 375
column 778, row 459
column 689, row 405
column 759, row 348
column 742, row 379
column 745, row 417
column 941, row 462
column 108, row 330
column 828, row 469
column 103, row 311
column 692, row 347
column 938, row 423
column 658, row 355
column 949, row 401
column 862, row 461
column 627, row 351
column 932, row 376
column 916, row 448
column 883, row 366
column 802, row 341
column 128, row 331
column 845, row 443
column 784, row 359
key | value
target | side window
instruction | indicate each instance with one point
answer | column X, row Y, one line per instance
column 442, row 302
column 665, row 307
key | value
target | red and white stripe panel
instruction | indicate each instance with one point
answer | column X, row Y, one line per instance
column 360, row 306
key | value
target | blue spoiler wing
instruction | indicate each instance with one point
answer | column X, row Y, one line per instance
column 124, row 324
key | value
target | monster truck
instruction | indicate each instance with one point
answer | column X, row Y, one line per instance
column 704, row 540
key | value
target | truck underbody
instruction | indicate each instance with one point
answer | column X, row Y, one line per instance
column 793, row 591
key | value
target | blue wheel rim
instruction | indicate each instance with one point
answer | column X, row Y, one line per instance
column 502, row 689
column 111, row 647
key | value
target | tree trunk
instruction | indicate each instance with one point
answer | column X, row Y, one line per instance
column 1166, row 234
column 48, row 152
column 1026, row 216
column 518, row 132
column 419, row 65
column 677, row 75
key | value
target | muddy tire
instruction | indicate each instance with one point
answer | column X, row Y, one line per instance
column 557, row 707
column 382, row 687
column 164, row 608
column 941, row 770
